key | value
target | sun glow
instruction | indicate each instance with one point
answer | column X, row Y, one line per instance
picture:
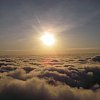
column 48, row 39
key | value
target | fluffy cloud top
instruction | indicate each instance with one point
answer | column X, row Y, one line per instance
column 48, row 82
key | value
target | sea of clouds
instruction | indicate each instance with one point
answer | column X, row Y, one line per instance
column 50, row 78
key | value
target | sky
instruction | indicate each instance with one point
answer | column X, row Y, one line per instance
column 75, row 24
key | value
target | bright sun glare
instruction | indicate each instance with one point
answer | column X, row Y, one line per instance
column 48, row 39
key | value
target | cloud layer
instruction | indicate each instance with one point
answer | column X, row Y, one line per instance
column 35, row 78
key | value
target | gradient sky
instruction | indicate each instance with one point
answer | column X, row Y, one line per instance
column 75, row 23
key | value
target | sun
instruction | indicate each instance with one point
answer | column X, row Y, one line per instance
column 48, row 39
